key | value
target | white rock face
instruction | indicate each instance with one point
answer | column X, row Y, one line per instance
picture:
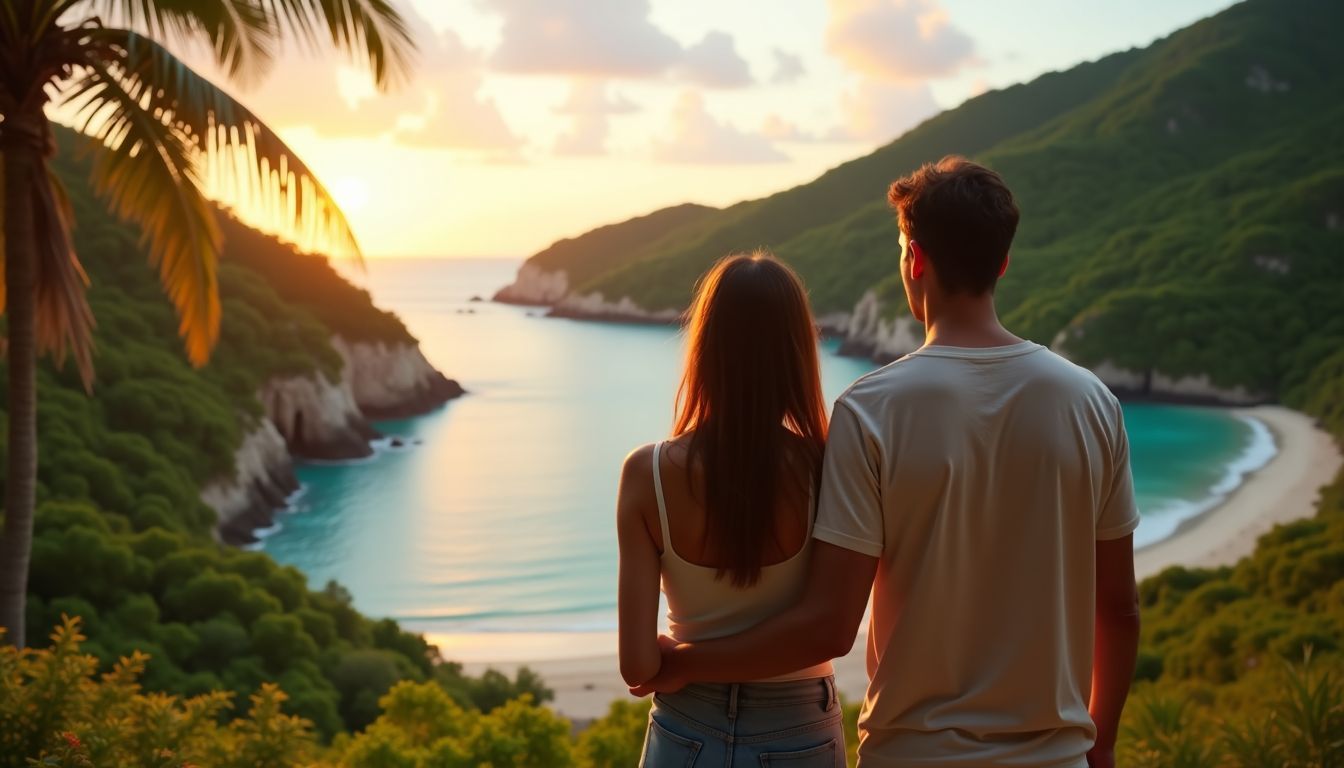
column 534, row 285
column 595, row 306
column 263, row 476
column 391, row 379
column 1161, row 386
column 318, row 418
column 834, row 322
column 1201, row 388
column 871, row 334
column 313, row 417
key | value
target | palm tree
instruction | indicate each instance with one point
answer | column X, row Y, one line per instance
column 163, row 128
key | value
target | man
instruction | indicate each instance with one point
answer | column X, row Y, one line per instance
column 980, row 489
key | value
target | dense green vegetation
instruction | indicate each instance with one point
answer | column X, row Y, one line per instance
column 839, row 266
column 1183, row 220
column 1183, row 213
column 593, row 254
column 122, row 539
column 1183, row 205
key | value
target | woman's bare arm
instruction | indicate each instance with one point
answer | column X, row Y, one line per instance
column 637, row 598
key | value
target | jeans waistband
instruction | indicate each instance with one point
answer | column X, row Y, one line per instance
column 818, row 690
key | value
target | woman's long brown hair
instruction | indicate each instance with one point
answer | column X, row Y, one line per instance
column 751, row 379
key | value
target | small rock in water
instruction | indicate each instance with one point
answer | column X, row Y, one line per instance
column 397, row 442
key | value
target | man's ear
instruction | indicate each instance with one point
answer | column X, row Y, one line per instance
column 916, row 260
column 1003, row 268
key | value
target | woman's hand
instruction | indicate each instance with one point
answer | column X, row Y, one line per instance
column 667, row 680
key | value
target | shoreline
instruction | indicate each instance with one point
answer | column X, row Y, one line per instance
column 581, row 666
column 1284, row 489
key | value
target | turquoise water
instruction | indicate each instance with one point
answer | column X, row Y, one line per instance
column 496, row 515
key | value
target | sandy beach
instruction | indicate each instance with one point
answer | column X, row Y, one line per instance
column 581, row 667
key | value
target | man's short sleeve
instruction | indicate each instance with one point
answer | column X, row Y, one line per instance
column 849, row 512
column 1119, row 514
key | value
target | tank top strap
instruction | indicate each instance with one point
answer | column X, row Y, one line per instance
column 658, row 492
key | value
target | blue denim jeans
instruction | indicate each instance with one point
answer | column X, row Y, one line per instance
column 746, row 725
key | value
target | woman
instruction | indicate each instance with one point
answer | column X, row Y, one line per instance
column 722, row 514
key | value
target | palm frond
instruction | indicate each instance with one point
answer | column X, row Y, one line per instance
column 370, row 30
column 248, row 163
column 150, row 175
column 64, row 319
column 242, row 34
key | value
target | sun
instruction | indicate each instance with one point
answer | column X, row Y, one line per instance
column 351, row 193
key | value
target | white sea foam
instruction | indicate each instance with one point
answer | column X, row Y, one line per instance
column 1161, row 522
column 291, row 506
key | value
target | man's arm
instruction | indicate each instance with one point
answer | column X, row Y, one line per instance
column 1116, row 645
column 820, row 627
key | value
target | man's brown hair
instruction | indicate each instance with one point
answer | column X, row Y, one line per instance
column 963, row 217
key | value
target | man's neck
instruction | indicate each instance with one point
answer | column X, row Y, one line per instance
column 968, row 321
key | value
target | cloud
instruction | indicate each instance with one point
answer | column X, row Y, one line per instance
column 878, row 111
column 439, row 107
column 453, row 114
column 714, row 62
column 607, row 39
column 590, row 107
column 896, row 40
column 595, row 38
column 788, row 68
column 456, row 117
column 697, row 137
column 776, row 128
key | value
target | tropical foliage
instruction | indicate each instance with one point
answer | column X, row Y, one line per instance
column 1183, row 207
column 118, row 491
column 162, row 128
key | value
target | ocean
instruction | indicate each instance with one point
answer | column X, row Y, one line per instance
column 495, row 515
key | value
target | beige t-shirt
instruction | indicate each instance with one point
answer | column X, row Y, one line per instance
column 981, row 479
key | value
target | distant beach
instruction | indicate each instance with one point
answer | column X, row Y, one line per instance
column 581, row 667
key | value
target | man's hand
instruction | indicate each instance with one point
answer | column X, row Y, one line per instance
column 667, row 680
column 1101, row 758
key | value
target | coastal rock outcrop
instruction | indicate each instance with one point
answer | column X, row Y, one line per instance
column 313, row 417
column 262, row 480
column 392, row 381
column 535, row 286
column 871, row 334
column 1155, row 385
column 594, row 306
column 318, row 418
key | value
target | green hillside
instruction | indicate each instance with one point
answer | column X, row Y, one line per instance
column 595, row 253
column 121, row 471
column 1182, row 203
column 662, row 274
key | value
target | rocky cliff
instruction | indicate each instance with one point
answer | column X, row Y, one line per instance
column 883, row 338
column 594, row 306
column 870, row 334
column 535, row 286
column 312, row 417
column 391, row 381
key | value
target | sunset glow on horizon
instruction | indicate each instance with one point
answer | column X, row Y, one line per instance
column 526, row 122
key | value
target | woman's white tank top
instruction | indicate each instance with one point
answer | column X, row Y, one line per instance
column 702, row 607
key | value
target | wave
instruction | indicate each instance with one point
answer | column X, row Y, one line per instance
column 290, row 506
column 1163, row 521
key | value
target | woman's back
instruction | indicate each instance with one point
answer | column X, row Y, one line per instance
column 720, row 517
column 702, row 602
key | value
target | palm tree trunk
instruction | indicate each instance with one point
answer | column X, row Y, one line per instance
column 23, row 161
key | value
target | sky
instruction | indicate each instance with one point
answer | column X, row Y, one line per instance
column 526, row 121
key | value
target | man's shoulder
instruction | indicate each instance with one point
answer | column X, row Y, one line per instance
column 1072, row 376
column 917, row 374
column 877, row 387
